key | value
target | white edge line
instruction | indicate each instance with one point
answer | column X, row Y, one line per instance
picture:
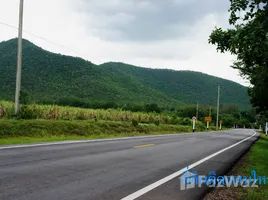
column 174, row 175
column 93, row 140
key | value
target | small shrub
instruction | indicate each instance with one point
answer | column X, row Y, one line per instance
column 151, row 119
column 135, row 123
column 166, row 120
column 53, row 114
column 81, row 116
column 174, row 120
column 157, row 123
column 27, row 112
column 143, row 128
column 186, row 122
column 2, row 111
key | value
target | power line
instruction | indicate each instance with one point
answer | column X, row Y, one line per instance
column 42, row 38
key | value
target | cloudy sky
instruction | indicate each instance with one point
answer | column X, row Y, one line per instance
column 150, row 33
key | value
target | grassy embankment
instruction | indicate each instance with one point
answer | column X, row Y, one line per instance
column 42, row 123
column 256, row 159
column 23, row 131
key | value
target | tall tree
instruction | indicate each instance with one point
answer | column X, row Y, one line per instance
column 248, row 40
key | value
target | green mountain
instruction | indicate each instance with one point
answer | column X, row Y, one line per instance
column 47, row 75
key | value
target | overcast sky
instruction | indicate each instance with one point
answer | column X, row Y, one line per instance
column 150, row 33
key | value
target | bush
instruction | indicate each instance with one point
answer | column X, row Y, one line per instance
column 143, row 128
column 82, row 116
column 27, row 112
column 186, row 122
column 2, row 111
column 174, row 120
column 135, row 123
column 157, row 123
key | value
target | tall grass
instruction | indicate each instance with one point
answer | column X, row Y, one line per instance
column 54, row 112
column 63, row 122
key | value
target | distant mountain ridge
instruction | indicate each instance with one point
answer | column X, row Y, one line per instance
column 47, row 75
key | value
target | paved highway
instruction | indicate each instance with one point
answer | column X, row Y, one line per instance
column 116, row 169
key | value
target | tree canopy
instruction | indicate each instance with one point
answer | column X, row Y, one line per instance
column 247, row 39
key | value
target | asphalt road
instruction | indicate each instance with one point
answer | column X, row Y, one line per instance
column 116, row 169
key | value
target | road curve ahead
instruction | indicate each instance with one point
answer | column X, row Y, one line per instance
column 135, row 168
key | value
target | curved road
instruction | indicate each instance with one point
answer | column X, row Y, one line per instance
column 116, row 169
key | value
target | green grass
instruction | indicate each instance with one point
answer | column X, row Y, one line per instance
column 257, row 160
column 31, row 131
column 28, row 140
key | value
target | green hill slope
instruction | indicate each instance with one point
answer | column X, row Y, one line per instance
column 47, row 75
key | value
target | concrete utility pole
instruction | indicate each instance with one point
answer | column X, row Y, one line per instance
column 197, row 111
column 218, row 108
column 18, row 78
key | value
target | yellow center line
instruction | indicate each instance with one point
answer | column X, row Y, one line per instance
column 146, row 145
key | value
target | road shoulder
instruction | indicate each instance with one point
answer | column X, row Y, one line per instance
column 254, row 159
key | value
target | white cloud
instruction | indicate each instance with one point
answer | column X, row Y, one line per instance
column 65, row 22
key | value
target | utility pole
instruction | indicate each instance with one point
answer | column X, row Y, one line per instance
column 197, row 111
column 19, row 59
column 218, row 108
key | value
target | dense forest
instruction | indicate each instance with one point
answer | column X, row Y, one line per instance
column 54, row 78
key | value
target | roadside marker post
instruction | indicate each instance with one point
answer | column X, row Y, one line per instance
column 208, row 119
column 266, row 128
column 194, row 119
column 220, row 124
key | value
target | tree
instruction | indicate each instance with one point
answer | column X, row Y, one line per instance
column 187, row 111
column 153, row 107
column 248, row 40
column 24, row 98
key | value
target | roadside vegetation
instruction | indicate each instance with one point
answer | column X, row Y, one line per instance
column 257, row 160
column 21, row 131
column 230, row 114
column 36, row 123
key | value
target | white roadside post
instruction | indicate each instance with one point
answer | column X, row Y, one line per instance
column 208, row 119
column 266, row 128
column 194, row 119
column 220, row 124
column 209, row 116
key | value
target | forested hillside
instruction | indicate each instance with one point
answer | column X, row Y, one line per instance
column 50, row 76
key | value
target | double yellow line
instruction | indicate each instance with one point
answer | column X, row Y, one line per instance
column 142, row 146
